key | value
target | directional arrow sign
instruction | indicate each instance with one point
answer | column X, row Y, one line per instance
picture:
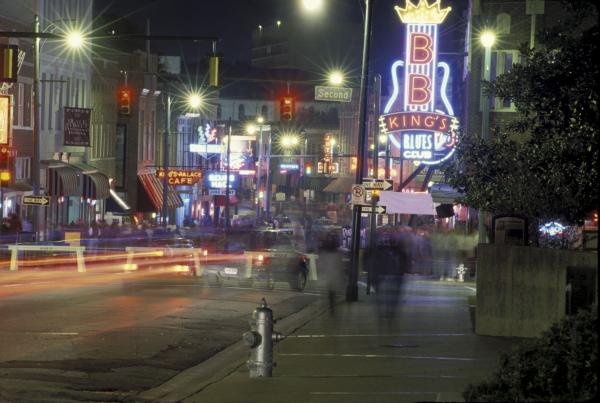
column 378, row 209
column 377, row 184
column 36, row 200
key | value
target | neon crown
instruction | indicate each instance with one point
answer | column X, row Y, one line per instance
column 423, row 13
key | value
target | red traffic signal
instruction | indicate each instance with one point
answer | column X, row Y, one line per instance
column 287, row 106
column 125, row 101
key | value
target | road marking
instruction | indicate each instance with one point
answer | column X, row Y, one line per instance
column 471, row 288
column 316, row 336
column 410, row 357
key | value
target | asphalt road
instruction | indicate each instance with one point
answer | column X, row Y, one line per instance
column 68, row 336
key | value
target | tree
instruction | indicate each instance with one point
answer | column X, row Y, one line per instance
column 542, row 164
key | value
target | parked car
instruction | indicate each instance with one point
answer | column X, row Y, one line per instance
column 273, row 257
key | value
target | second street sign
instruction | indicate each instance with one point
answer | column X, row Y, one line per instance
column 378, row 209
column 338, row 94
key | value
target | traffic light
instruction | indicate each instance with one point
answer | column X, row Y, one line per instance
column 287, row 106
column 5, row 175
column 125, row 101
column 213, row 70
column 9, row 67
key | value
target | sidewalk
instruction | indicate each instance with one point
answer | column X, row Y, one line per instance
column 428, row 353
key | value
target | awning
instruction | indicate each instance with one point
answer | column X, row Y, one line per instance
column 116, row 204
column 62, row 181
column 343, row 184
column 316, row 183
column 95, row 184
column 154, row 189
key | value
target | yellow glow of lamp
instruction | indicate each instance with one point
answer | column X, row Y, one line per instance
column 5, row 176
column 195, row 100
column 336, row 77
column 312, row 5
column 75, row 39
column 250, row 128
column 487, row 38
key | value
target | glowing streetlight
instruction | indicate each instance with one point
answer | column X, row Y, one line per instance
column 251, row 128
column 336, row 77
column 194, row 100
column 74, row 39
column 289, row 141
column 260, row 120
column 487, row 39
column 312, row 5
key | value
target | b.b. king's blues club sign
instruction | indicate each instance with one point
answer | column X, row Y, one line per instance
column 419, row 119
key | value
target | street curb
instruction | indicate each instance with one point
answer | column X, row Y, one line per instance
column 220, row 365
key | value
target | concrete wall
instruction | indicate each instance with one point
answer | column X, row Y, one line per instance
column 521, row 290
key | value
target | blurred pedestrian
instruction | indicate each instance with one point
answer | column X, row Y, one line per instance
column 332, row 268
column 389, row 262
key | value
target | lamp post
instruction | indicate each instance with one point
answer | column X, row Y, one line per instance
column 487, row 40
column 352, row 288
column 74, row 40
column 194, row 101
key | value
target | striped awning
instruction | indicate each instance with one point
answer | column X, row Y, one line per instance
column 154, row 189
column 62, row 181
column 95, row 186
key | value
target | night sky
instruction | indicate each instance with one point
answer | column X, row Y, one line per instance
column 234, row 20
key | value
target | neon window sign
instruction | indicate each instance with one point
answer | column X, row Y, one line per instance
column 423, row 132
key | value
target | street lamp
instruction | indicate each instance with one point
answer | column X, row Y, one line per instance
column 75, row 40
column 251, row 129
column 312, row 5
column 336, row 78
column 487, row 39
column 193, row 101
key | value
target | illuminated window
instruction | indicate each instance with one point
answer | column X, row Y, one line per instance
column 502, row 62
column 503, row 24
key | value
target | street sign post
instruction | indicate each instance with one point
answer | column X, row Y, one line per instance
column 376, row 210
column 377, row 184
column 36, row 200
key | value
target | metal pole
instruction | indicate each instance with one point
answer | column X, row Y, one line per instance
column 35, row 163
column 227, row 179
column 258, row 177
column 165, row 183
column 268, row 184
column 352, row 288
column 373, row 216
column 485, row 134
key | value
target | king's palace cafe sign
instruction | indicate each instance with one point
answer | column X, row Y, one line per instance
column 180, row 177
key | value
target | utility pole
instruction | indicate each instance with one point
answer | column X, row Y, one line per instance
column 352, row 288
column 268, row 184
column 258, row 174
column 35, row 140
column 227, row 224
column 165, row 179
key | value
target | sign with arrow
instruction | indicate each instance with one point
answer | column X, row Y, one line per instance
column 377, row 210
column 36, row 200
column 377, row 184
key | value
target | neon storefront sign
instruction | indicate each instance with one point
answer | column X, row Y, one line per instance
column 421, row 121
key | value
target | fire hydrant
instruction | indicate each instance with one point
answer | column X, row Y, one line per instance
column 461, row 270
column 260, row 339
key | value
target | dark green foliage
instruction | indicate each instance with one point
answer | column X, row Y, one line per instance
column 544, row 163
column 560, row 366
